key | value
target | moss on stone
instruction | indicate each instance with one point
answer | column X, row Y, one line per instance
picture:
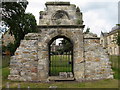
column 78, row 22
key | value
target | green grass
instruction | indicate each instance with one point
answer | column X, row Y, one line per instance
column 116, row 66
column 5, row 61
column 94, row 84
column 5, row 73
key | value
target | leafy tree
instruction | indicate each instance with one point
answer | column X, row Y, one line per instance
column 19, row 22
column 11, row 47
column 118, row 40
column 3, row 48
column 87, row 30
column 66, row 45
column 60, row 51
column 118, row 37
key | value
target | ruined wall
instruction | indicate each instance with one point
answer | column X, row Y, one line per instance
column 31, row 60
column 23, row 65
column 97, row 64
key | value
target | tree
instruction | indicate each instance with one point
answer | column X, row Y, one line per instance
column 12, row 14
column 118, row 41
column 87, row 30
column 19, row 22
column 66, row 45
column 118, row 38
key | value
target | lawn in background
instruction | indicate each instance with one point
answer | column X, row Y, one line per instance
column 116, row 66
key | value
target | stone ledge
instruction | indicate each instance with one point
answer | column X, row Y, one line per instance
column 57, row 3
column 58, row 78
column 61, row 26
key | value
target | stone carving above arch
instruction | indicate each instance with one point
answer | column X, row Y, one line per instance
column 60, row 14
column 60, row 17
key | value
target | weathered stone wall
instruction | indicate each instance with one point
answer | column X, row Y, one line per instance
column 97, row 64
column 31, row 60
column 76, row 37
column 23, row 65
column 38, row 64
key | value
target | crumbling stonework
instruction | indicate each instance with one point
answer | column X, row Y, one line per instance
column 31, row 59
column 97, row 64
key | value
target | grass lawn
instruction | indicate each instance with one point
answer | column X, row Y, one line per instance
column 95, row 84
column 116, row 66
column 109, row 83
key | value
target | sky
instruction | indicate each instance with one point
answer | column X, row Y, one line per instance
column 98, row 15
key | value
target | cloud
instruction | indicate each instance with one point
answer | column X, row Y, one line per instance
column 100, row 15
column 95, row 23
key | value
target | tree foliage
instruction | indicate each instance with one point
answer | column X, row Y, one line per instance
column 19, row 22
column 66, row 45
column 118, row 38
column 87, row 30
column 10, row 47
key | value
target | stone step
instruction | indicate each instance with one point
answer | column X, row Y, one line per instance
column 52, row 78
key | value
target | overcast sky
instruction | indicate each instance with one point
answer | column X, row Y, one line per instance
column 99, row 15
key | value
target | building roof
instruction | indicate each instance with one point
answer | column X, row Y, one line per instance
column 104, row 33
column 115, row 29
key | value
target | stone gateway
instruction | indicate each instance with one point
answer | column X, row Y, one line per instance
column 60, row 19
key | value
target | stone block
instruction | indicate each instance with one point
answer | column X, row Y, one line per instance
column 14, row 72
column 40, row 67
column 69, row 75
column 22, row 73
column 34, row 69
column 62, row 74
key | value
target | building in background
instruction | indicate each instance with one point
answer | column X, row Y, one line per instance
column 103, row 39
column 108, row 41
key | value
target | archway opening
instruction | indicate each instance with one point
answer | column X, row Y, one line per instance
column 61, row 57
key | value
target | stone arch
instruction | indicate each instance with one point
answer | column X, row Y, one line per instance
column 43, row 53
column 59, row 36
column 70, row 53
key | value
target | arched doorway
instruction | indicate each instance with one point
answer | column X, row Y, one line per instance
column 61, row 57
